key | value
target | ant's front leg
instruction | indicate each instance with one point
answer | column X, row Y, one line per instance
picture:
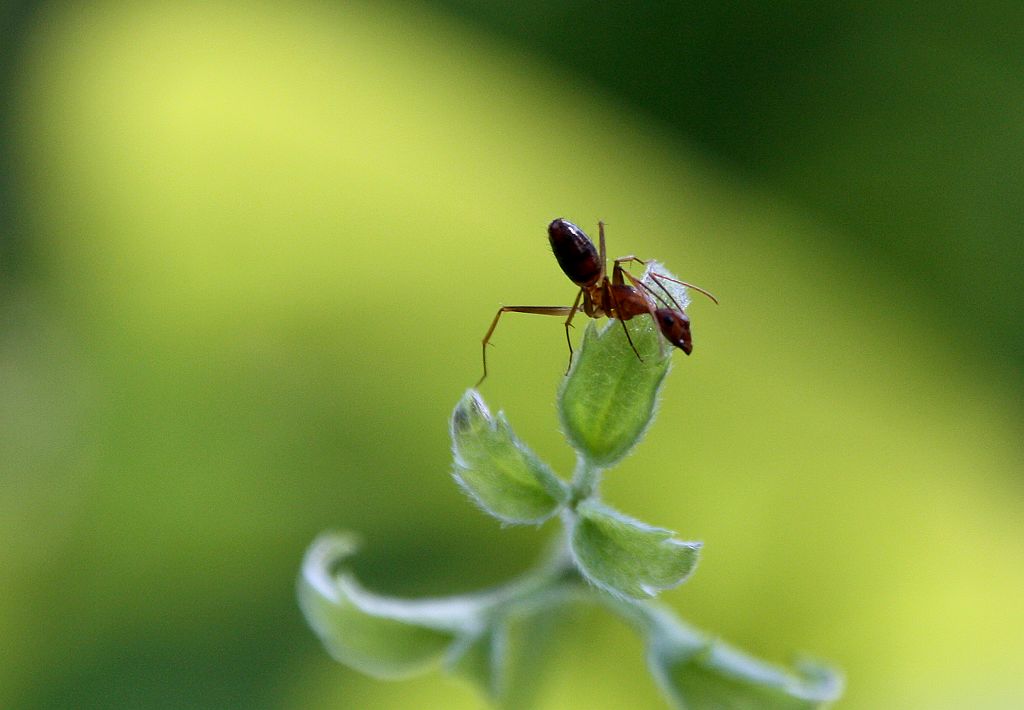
column 618, row 269
column 630, row 258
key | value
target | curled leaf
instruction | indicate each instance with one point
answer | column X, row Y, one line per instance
column 497, row 470
column 697, row 672
column 380, row 636
column 627, row 557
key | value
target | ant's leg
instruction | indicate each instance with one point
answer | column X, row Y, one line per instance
column 658, row 278
column 647, row 289
column 568, row 324
column 650, row 308
column 629, row 259
column 629, row 338
column 600, row 234
column 654, row 294
column 618, row 270
column 539, row 310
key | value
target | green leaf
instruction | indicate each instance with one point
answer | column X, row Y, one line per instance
column 380, row 636
column 627, row 557
column 696, row 672
column 607, row 401
column 497, row 470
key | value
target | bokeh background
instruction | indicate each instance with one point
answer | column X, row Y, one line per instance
column 249, row 249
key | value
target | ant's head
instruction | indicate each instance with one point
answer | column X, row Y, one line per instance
column 675, row 326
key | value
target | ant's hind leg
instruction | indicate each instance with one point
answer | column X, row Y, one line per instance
column 539, row 310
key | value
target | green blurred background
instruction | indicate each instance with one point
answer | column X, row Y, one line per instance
column 249, row 249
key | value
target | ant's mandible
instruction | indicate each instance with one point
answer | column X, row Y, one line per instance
column 602, row 296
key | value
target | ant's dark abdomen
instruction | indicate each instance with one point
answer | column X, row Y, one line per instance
column 575, row 253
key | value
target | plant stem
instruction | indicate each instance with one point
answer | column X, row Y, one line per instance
column 584, row 480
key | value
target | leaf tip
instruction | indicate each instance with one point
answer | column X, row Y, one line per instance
column 469, row 413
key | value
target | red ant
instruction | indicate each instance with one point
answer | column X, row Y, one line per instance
column 585, row 266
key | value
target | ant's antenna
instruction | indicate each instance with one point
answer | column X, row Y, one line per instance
column 657, row 276
column 658, row 296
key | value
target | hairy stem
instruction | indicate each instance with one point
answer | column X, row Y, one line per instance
column 585, row 480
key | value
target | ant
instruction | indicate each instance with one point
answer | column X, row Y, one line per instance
column 586, row 267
